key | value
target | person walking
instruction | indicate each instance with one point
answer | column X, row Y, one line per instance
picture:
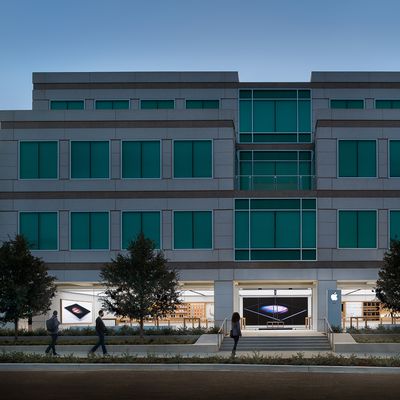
column 235, row 331
column 101, row 331
column 52, row 325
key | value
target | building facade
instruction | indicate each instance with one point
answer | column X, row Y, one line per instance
column 261, row 194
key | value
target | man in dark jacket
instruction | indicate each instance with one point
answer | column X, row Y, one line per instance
column 52, row 328
column 101, row 331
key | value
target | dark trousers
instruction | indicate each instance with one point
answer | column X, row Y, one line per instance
column 100, row 343
column 236, row 339
column 52, row 345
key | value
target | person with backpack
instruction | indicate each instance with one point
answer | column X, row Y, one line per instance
column 52, row 325
column 101, row 331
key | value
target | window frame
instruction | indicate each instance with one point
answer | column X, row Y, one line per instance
column 19, row 160
column 92, row 179
column 160, row 141
column 384, row 108
column 193, row 248
column 357, row 177
column 70, row 230
column 298, row 133
column 389, row 159
column 389, row 223
column 37, row 212
column 141, row 211
column 140, row 104
column 346, row 100
column 297, row 161
column 300, row 248
column 202, row 108
column 376, row 229
column 112, row 109
column 67, row 109
column 193, row 177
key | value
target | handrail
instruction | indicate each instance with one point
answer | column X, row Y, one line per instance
column 329, row 333
column 275, row 182
column 221, row 332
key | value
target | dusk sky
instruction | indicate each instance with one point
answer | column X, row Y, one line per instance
column 264, row 40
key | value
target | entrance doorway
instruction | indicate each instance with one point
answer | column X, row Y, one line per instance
column 276, row 309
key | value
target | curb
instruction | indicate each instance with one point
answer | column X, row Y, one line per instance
column 76, row 367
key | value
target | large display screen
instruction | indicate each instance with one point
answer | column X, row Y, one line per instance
column 289, row 310
column 76, row 312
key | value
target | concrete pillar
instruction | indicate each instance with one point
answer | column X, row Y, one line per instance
column 322, row 289
column 223, row 301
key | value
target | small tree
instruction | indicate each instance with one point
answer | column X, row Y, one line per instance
column 25, row 287
column 140, row 285
column 388, row 284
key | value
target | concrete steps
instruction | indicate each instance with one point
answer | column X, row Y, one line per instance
column 278, row 343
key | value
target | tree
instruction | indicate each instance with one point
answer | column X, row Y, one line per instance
column 25, row 287
column 140, row 285
column 388, row 284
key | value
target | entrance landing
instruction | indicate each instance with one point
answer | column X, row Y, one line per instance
column 280, row 332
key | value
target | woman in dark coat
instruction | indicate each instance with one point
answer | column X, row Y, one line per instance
column 235, row 332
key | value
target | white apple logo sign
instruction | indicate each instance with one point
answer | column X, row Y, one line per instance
column 334, row 296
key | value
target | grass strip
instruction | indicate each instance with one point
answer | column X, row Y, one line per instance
column 255, row 358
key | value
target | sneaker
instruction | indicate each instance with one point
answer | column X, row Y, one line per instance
column 90, row 354
column 106, row 355
column 56, row 355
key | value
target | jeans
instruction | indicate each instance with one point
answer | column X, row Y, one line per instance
column 100, row 343
column 236, row 339
column 52, row 345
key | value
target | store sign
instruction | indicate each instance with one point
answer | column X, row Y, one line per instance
column 334, row 302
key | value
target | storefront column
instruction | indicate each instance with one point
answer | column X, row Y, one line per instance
column 223, row 301
column 322, row 305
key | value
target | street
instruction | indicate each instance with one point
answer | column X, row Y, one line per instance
column 115, row 385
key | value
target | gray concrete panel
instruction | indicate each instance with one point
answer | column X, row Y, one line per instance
column 8, row 225
column 63, row 223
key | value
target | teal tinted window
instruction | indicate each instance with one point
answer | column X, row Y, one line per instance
column 38, row 160
column 193, row 159
column 89, row 160
column 89, row 231
column 67, row 105
column 275, row 116
column 141, row 159
column 192, row 229
column 202, row 104
column 357, row 158
column 394, row 153
column 347, row 103
column 112, row 104
column 157, row 104
column 275, row 229
column 135, row 222
column 395, row 225
column 40, row 229
column 275, row 170
column 357, row 229
column 387, row 103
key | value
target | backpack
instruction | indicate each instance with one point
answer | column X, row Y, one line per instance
column 50, row 325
